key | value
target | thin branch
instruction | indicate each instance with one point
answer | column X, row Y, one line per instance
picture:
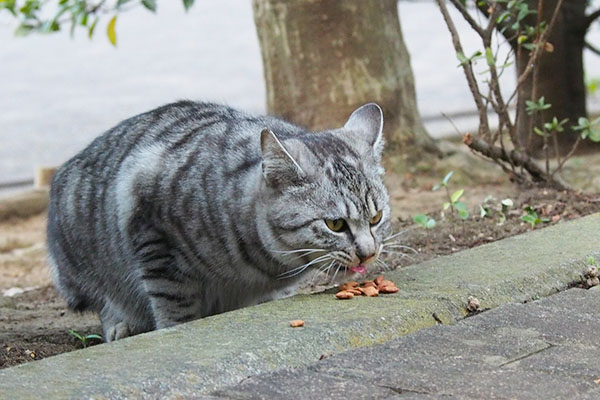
column 468, row 70
column 515, row 157
column 592, row 48
column 539, row 48
column 459, row 6
column 569, row 155
column 591, row 18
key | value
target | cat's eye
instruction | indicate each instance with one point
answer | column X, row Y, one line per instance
column 336, row 225
column 375, row 220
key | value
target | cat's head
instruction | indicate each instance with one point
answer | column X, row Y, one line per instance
column 326, row 205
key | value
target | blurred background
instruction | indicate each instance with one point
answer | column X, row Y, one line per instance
column 58, row 92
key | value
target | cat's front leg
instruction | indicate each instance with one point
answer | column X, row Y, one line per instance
column 172, row 299
column 172, row 293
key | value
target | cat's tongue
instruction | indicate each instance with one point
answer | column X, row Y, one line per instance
column 360, row 269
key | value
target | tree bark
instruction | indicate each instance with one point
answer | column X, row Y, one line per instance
column 560, row 80
column 324, row 58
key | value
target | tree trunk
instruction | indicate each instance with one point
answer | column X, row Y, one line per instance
column 324, row 58
column 560, row 80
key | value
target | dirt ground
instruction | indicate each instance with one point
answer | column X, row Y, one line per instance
column 36, row 323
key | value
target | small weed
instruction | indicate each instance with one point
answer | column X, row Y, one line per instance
column 532, row 217
column 84, row 339
column 426, row 222
column 488, row 208
column 453, row 200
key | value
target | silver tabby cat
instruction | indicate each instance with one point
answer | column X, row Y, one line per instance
column 194, row 209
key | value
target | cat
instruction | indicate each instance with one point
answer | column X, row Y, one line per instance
column 194, row 209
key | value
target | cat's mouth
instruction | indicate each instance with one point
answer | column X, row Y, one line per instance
column 359, row 269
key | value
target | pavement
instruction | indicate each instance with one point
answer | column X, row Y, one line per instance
column 547, row 349
column 214, row 355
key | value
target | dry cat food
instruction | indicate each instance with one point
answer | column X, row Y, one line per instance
column 296, row 323
column 367, row 288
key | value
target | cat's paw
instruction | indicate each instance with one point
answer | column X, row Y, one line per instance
column 118, row 331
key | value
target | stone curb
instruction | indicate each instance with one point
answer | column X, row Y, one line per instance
column 197, row 357
column 24, row 204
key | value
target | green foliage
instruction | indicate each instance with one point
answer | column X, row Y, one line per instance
column 588, row 129
column 532, row 217
column 515, row 14
column 453, row 199
column 592, row 261
column 424, row 220
column 84, row 339
column 490, row 207
column 536, row 106
column 592, row 85
column 467, row 60
column 47, row 16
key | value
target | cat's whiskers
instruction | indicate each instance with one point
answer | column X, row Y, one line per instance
column 300, row 269
column 322, row 269
column 398, row 253
column 394, row 235
column 339, row 265
column 383, row 264
column 400, row 246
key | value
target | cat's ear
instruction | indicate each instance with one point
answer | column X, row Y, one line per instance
column 278, row 165
column 367, row 122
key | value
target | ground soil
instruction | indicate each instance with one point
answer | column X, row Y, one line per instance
column 35, row 324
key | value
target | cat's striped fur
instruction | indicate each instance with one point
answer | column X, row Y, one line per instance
column 194, row 209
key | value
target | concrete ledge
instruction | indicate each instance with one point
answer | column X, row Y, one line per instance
column 24, row 204
column 197, row 357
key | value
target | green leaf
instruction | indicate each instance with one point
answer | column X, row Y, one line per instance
column 93, row 336
column 463, row 214
column 539, row 132
column 530, row 219
column 462, row 58
column 430, row 223
column 420, row 219
column 456, row 195
column 92, row 27
column 483, row 211
column 149, row 4
column 24, row 29
column 110, row 31
column 122, row 2
column 76, row 335
column 460, row 206
column 436, row 187
column 447, row 178
column 187, row 4
column 489, row 56
column 507, row 203
column 446, row 205
column 501, row 219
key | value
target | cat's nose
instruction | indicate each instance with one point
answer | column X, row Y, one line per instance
column 366, row 258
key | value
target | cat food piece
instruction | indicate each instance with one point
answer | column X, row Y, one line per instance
column 369, row 283
column 296, row 323
column 386, row 283
column 378, row 280
column 370, row 291
column 388, row 289
column 344, row 295
column 355, row 291
column 348, row 285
